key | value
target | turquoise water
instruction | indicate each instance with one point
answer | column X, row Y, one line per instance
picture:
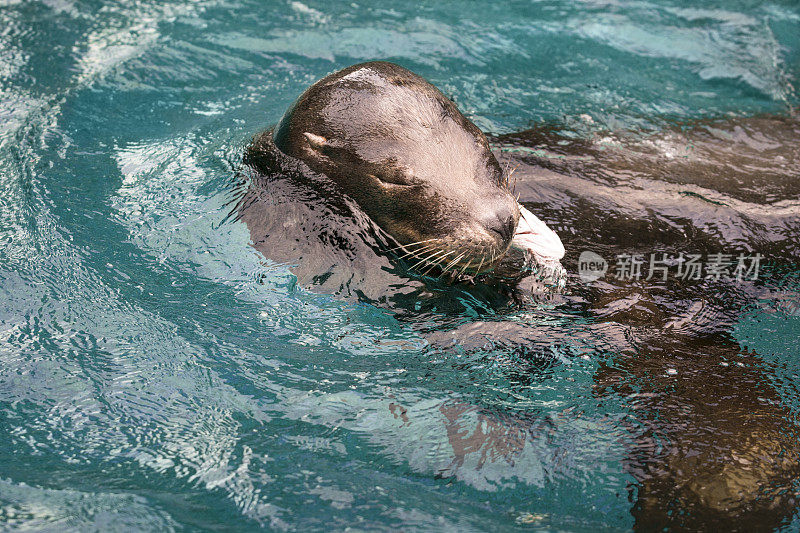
column 157, row 372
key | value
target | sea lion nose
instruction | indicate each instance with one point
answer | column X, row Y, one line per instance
column 505, row 227
column 502, row 220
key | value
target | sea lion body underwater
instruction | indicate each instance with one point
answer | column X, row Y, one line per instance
column 420, row 170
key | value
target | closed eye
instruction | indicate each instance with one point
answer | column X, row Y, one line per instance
column 395, row 177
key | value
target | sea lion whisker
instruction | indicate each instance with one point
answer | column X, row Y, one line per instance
column 438, row 262
column 452, row 272
column 427, row 259
column 464, row 268
column 483, row 257
column 454, row 261
column 412, row 244
column 446, row 267
column 419, row 253
column 408, row 253
column 513, row 185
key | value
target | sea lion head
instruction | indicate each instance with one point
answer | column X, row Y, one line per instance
column 411, row 161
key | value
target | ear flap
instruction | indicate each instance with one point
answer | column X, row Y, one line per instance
column 317, row 142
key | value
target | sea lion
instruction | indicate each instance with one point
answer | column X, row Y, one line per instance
column 418, row 168
column 712, row 445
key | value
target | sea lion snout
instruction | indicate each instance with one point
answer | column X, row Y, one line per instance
column 499, row 217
